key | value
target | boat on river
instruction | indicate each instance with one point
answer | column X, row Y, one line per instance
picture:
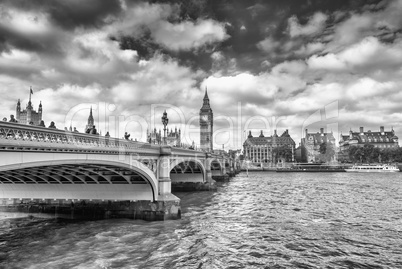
column 377, row 168
column 312, row 167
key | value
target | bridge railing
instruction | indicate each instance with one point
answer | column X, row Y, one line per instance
column 24, row 136
column 15, row 136
column 188, row 152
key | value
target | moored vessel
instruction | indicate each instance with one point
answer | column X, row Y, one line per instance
column 379, row 168
column 312, row 167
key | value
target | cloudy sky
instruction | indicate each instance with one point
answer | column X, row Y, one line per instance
column 278, row 64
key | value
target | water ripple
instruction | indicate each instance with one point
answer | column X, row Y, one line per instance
column 266, row 220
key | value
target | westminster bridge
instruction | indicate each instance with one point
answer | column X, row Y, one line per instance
column 75, row 175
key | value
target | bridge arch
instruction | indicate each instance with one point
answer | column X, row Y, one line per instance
column 80, row 174
column 177, row 161
column 215, row 164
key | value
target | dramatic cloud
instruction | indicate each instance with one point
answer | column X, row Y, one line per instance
column 187, row 35
column 368, row 55
column 269, row 44
column 314, row 26
column 183, row 35
column 267, row 66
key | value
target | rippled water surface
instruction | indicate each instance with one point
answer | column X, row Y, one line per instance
column 266, row 220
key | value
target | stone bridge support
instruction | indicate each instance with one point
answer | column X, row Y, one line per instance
column 199, row 180
column 222, row 175
column 231, row 172
column 166, row 199
column 208, row 172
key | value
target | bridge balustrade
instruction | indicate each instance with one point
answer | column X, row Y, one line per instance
column 14, row 135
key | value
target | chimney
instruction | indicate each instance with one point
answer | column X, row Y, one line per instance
column 322, row 130
column 361, row 130
column 381, row 129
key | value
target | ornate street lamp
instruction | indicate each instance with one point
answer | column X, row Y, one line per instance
column 165, row 121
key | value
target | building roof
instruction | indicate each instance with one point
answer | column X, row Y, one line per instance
column 320, row 137
column 262, row 140
column 369, row 137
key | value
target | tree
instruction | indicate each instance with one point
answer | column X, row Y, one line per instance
column 323, row 148
column 368, row 152
column 327, row 151
column 398, row 155
column 352, row 153
column 376, row 155
column 282, row 152
column 356, row 154
column 389, row 155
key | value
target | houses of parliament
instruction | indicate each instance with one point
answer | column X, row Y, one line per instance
column 28, row 115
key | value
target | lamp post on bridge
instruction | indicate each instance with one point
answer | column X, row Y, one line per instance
column 165, row 121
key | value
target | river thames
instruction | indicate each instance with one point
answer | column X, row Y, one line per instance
column 265, row 220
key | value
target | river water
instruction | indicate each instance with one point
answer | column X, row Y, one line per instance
column 265, row 220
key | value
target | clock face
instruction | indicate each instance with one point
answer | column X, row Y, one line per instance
column 204, row 117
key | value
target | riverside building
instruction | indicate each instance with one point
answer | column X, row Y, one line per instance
column 259, row 149
column 380, row 139
column 310, row 144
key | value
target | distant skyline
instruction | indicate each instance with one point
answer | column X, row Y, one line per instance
column 299, row 64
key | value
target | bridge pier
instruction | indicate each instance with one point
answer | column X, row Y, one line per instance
column 204, row 183
column 169, row 203
column 231, row 169
column 222, row 176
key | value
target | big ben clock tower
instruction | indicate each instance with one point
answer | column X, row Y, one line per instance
column 206, row 124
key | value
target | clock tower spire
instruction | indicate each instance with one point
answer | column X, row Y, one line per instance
column 206, row 124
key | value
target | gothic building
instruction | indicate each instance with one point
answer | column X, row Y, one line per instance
column 206, row 125
column 310, row 144
column 260, row 149
column 28, row 115
column 90, row 123
column 173, row 138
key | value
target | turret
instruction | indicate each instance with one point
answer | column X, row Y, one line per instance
column 18, row 110
column 40, row 111
column 90, row 123
column 90, row 118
